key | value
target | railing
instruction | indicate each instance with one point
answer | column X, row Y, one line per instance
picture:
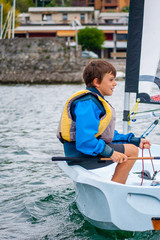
column 90, row 2
column 110, row 2
column 118, row 54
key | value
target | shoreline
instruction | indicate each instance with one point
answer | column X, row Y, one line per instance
column 59, row 77
column 43, row 61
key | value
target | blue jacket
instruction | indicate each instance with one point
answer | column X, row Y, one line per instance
column 86, row 142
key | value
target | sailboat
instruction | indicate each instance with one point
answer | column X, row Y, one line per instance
column 132, row 206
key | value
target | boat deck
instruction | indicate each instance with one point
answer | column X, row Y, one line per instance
column 134, row 177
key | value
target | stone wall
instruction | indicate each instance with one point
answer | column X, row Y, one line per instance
column 38, row 61
column 41, row 61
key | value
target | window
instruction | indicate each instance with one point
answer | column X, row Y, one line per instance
column 46, row 17
column 82, row 17
column 64, row 16
column 121, row 37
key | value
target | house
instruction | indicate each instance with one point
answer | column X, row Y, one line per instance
column 61, row 15
column 103, row 5
column 67, row 21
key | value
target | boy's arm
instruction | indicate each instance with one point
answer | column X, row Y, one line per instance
column 126, row 138
column 87, row 124
column 130, row 138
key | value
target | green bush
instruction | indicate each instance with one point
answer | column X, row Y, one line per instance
column 91, row 38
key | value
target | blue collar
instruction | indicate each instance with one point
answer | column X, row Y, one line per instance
column 95, row 90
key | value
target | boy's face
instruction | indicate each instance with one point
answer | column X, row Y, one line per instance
column 107, row 85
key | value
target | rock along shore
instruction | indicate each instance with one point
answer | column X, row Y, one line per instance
column 42, row 61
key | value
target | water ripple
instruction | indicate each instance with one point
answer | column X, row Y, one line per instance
column 37, row 200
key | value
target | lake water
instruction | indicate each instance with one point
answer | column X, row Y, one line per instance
column 37, row 200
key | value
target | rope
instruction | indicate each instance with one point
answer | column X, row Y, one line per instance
column 133, row 112
column 153, row 110
column 152, row 161
column 154, row 172
column 142, row 169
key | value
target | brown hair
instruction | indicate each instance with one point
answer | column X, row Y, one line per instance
column 97, row 69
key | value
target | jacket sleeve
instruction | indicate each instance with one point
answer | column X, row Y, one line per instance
column 87, row 123
column 126, row 138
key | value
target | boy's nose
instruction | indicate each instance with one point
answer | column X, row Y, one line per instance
column 115, row 83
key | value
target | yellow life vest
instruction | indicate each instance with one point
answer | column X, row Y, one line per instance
column 67, row 126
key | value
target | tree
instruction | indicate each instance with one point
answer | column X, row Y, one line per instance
column 91, row 38
column 54, row 3
column 41, row 3
column 7, row 7
column 125, row 9
column 22, row 5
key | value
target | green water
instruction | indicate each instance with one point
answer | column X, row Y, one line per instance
column 37, row 200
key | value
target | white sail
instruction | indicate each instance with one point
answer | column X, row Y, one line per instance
column 150, row 48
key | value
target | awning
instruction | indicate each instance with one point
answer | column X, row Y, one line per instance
column 122, row 32
column 67, row 33
column 108, row 31
column 19, row 31
column 35, row 31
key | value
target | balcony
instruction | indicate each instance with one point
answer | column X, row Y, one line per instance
column 110, row 3
column 90, row 3
column 111, row 44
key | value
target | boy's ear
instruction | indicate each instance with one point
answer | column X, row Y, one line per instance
column 96, row 82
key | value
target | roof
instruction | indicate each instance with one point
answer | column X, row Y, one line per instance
column 68, row 28
column 61, row 9
column 106, row 15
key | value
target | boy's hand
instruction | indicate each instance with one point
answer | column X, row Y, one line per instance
column 145, row 144
column 118, row 157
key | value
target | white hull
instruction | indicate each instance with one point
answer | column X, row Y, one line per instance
column 114, row 206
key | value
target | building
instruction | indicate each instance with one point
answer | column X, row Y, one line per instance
column 67, row 21
column 103, row 5
column 61, row 15
column 119, row 18
column 80, row 3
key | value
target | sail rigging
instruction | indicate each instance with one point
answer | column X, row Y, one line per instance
column 143, row 51
column 143, row 55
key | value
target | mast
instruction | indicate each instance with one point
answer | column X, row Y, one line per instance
column 135, row 26
column 13, row 25
column 1, row 19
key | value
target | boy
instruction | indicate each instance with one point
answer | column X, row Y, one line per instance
column 87, row 126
